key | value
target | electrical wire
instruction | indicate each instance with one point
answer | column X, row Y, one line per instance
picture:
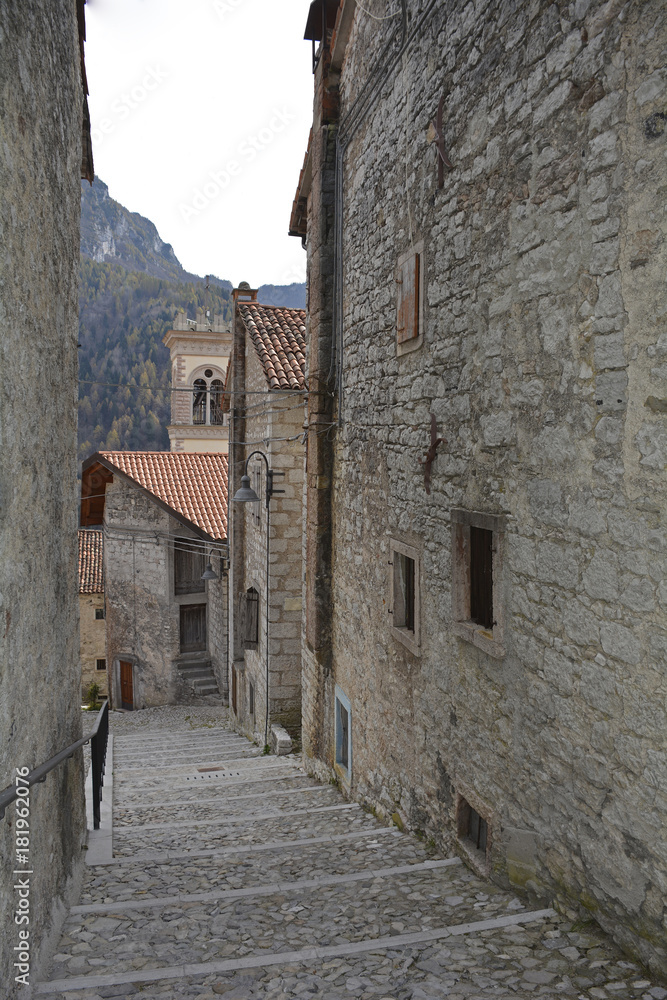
column 376, row 17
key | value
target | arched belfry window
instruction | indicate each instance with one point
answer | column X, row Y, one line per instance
column 199, row 402
column 207, row 399
column 217, row 388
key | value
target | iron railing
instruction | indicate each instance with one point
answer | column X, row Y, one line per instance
column 98, row 739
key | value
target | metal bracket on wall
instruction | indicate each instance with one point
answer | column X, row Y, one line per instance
column 443, row 156
column 427, row 460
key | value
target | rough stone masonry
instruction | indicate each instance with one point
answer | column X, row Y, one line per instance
column 542, row 353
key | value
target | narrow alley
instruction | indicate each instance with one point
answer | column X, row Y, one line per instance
column 236, row 874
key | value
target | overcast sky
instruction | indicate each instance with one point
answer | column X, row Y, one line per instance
column 200, row 112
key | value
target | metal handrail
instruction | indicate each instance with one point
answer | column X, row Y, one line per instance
column 99, row 736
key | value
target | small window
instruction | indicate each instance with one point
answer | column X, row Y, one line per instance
column 100, row 664
column 343, row 735
column 410, row 300
column 99, row 614
column 251, row 699
column 472, row 830
column 478, row 606
column 481, row 576
column 250, row 618
column 404, row 565
column 404, row 592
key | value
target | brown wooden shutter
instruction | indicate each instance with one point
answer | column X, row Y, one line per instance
column 408, row 300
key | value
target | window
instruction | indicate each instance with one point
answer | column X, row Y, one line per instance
column 410, row 300
column 100, row 664
column 404, row 564
column 208, row 395
column 478, row 600
column 99, row 614
column 473, row 832
column 343, row 735
column 249, row 618
column 193, row 627
column 251, row 699
column 189, row 565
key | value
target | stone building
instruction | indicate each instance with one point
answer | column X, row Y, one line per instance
column 199, row 352
column 92, row 626
column 44, row 116
column 485, row 642
column 164, row 518
column 267, row 402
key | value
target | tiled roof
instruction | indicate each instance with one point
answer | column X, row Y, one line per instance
column 91, row 551
column 279, row 336
column 194, row 484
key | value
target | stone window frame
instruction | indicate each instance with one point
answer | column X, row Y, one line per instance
column 491, row 641
column 410, row 638
column 342, row 701
column 415, row 342
column 101, row 660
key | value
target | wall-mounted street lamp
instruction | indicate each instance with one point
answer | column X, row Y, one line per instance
column 246, row 494
column 209, row 573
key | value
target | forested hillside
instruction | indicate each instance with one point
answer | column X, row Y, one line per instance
column 123, row 364
column 132, row 286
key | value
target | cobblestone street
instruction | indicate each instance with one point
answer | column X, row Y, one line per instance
column 235, row 874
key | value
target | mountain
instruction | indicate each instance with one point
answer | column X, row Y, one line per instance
column 131, row 287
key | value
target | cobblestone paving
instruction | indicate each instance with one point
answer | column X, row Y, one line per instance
column 259, row 883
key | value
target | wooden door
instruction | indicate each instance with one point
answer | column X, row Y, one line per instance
column 126, row 690
column 234, row 692
column 193, row 627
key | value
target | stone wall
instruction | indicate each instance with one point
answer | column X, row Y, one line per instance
column 143, row 614
column 93, row 642
column 40, row 679
column 542, row 359
column 271, row 418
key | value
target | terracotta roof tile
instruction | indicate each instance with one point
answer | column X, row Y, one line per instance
column 279, row 337
column 194, row 484
column 91, row 552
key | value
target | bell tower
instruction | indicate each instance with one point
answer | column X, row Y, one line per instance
column 200, row 350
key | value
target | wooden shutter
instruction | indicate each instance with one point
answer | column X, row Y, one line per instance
column 188, row 569
column 408, row 300
column 250, row 630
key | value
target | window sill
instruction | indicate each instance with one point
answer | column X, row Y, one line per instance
column 343, row 774
column 481, row 637
column 408, row 638
column 409, row 345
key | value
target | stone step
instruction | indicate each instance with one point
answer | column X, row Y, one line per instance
column 210, row 784
column 128, row 841
column 522, row 956
column 285, row 918
column 242, row 866
column 206, row 808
